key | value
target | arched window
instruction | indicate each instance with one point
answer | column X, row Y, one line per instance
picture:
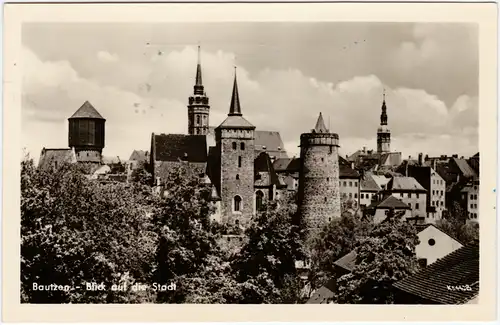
column 234, row 145
column 237, row 203
column 239, row 161
column 237, row 176
column 259, row 196
column 242, row 146
column 198, row 119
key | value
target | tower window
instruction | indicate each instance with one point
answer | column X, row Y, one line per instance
column 416, row 205
column 237, row 203
column 242, row 146
column 234, row 145
column 237, row 176
column 198, row 119
column 259, row 200
column 322, row 159
column 239, row 161
column 328, row 179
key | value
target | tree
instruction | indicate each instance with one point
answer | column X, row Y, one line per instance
column 141, row 174
column 265, row 265
column 76, row 231
column 385, row 256
column 455, row 224
column 337, row 239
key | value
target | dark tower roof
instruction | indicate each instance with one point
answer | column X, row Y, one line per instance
column 383, row 116
column 198, row 86
column 235, row 109
column 320, row 125
column 198, row 69
column 87, row 111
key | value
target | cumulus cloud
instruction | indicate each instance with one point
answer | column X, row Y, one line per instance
column 141, row 96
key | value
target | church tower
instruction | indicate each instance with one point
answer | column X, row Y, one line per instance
column 235, row 147
column 319, row 193
column 198, row 108
column 383, row 132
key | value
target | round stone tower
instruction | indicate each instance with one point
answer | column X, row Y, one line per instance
column 86, row 134
column 319, row 193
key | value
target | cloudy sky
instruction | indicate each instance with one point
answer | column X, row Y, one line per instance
column 139, row 77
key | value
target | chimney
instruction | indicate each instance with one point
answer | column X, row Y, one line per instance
column 434, row 163
column 420, row 159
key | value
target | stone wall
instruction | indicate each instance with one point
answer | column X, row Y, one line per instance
column 236, row 180
column 319, row 193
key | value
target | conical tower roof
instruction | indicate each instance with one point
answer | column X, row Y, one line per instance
column 198, row 70
column 87, row 111
column 235, row 108
column 320, row 125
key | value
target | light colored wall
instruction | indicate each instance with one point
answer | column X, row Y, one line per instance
column 366, row 198
column 412, row 199
column 349, row 188
column 443, row 246
column 437, row 194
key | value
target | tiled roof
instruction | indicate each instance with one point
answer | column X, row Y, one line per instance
column 139, row 155
column 348, row 261
column 380, row 180
column 272, row 142
column 464, row 167
column 236, row 121
column 347, row 172
column 368, row 184
column 390, row 202
column 405, row 184
column 180, row 147
column 50, row 157
column 459, row 268
column 281, row 164
column 87, row 111
column 390, row 159
column 323, row 294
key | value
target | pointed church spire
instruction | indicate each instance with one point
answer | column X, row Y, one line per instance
column 198, row 69
column 235, row 108
column 383, row 116
column 320, row 125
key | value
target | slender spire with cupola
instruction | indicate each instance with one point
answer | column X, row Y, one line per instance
column 236, row 149
column 198, row 108
column 383, row 132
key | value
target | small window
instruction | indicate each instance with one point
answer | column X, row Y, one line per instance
column 409, row 204
column 350, row 195
column 422, row 262
column 242, row 146
column 417, row 195
column 362, row 196
column 198, row 120
column 431, row 242
column 409, row 195
column 475, row 196
column 322, row 159
column 228, row 239
column 355, row 195
column 259, row 196
column 441, row 192
column 325, row 199
column 433, row 192
column 328, row 179
column 241, row 239
column 356, row 184
column 442, row 203
column 234, row 145
column 416, row 205
column 237, row 176
column 345, row 183
column 237, row 203
column 329, row 219
column 472, row 206
column 239, row 161
column 350, row 184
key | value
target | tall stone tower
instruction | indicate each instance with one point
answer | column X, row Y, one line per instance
column 383, row 132
column 86, row 133
column 319, row 193
column 198, row 108
column 235, row 147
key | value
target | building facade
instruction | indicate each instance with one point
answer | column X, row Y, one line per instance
column 198, row 108
column 409, row 191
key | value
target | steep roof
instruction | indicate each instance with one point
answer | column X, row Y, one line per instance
column 281, row 164
column 391, row 202
column 323, row 294
column 320, row 125
column 368, row 184
column 263, row 164
column 464, row 168
column 390, row 159
column 380, row 180
column 405, row 184
column 236, row 121
column 347, row 172
column 139, row 155
column 235, row 107
column 87, row 111
column 347, row 262
column 459, row 268
column 272, row 142
column 179, row 147
column 53, row 157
